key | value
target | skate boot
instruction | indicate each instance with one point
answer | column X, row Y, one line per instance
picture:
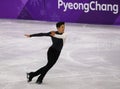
column 39, row 80
column 30, row 76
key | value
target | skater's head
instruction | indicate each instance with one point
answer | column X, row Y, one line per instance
column 60, row 27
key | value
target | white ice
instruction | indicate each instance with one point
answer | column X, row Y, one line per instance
column 90, row 58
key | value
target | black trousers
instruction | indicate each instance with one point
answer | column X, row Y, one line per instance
column 52, row 56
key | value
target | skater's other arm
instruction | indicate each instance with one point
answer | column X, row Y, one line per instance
column 63, row 36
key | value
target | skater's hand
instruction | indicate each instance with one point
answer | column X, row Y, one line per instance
column 52, row 33
column 27, row 35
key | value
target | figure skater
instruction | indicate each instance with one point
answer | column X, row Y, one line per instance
column 58, row 38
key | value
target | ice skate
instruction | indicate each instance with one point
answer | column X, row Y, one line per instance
column 29, row 76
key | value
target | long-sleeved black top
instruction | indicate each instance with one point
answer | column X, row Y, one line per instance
column 57, row 43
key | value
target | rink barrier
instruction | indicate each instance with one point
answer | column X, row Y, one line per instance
column 75, row 11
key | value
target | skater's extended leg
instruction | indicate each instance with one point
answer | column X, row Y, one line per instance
column 31, row 75
column 52, row 58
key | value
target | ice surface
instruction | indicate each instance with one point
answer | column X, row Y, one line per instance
column 90, row 58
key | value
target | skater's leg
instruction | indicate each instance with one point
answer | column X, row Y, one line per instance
column 52, row 58
column 31, row 75
column 44, row 72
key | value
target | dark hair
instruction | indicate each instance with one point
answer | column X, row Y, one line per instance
column 59, row 24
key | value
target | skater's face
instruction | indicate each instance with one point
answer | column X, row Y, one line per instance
column 61, row 29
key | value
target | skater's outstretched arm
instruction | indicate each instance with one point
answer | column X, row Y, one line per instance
column 40, row 34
